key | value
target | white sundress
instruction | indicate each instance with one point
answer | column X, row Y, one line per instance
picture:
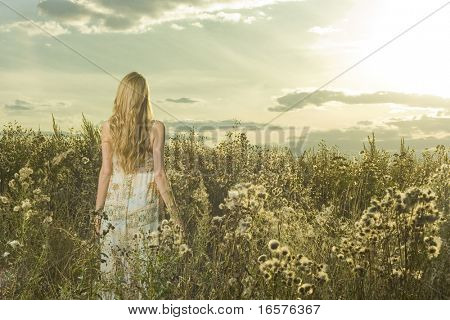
column 134, row 208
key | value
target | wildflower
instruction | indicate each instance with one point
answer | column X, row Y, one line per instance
column 290, row 274
column 417, row 274
column 5, row 254
column 24, row 173
column 398, row 272
column 183, row 249
column 228, row 236
column 340, row 256
column 16, row 208
column 25, row 185
column 262, row 258
column 262, row 194
column 48, row 220
column 363, row 250
column 14, row 244
column 232, row 282
column 253, row 203
column 37, row 191
column 393, row 259
column 433, row 252
column 323, row 267
column 274, row 245
column 85, row 160
column 306, row 289
column 267, row 275
column 164, row 222
column 242, row 227
column 233, row 194
column 434, row 248
column 12, row 184
column 216, row 220
column 4, row 200
column 276, row 263
column 305, row 261
column 264, row 266
column 284, row 251
column 322, row 276
column 26, row 204
column 28, row 214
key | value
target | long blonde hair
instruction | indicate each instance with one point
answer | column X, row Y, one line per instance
column 130, row 121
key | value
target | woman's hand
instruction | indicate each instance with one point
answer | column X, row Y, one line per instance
column 175, row 217
column 97, row 222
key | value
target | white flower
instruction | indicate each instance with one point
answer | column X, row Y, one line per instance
column 184, row 249
column 25, row 173
column 48, row 220
column 417, row 274
column 85, row 160
column 37, row 191
column 4, row 200
column 5, row 254
column 26, row 204
column 28, row 214
column 233, row 194
column 322, row 276
column 12, row 184
column 14, row 244
column 16, row 208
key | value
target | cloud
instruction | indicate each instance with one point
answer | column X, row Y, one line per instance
column 176, row 26
column 425, row 132
column 301, row 99
column 181, row 100
column 25, row 107
column 197, row 24
column 249, row 19
column 364, row 123
column 424, row 125
column 351, row 140
column 19, row 105
column 137, row 16
column 323, row 30
column 421, row 133
column 226, row 124
column 30, row 28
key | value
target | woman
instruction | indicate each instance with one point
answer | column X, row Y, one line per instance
column 132, row 177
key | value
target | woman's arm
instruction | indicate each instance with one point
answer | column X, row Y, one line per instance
column 106, row 169
column 161, row 179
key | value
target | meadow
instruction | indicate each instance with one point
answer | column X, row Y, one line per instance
column 260, row 222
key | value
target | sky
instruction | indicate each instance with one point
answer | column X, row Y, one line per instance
column 210, row 63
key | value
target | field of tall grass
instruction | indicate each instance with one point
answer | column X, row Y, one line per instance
column 260, row 223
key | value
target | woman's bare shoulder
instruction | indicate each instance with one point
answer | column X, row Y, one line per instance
column 158, row 126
